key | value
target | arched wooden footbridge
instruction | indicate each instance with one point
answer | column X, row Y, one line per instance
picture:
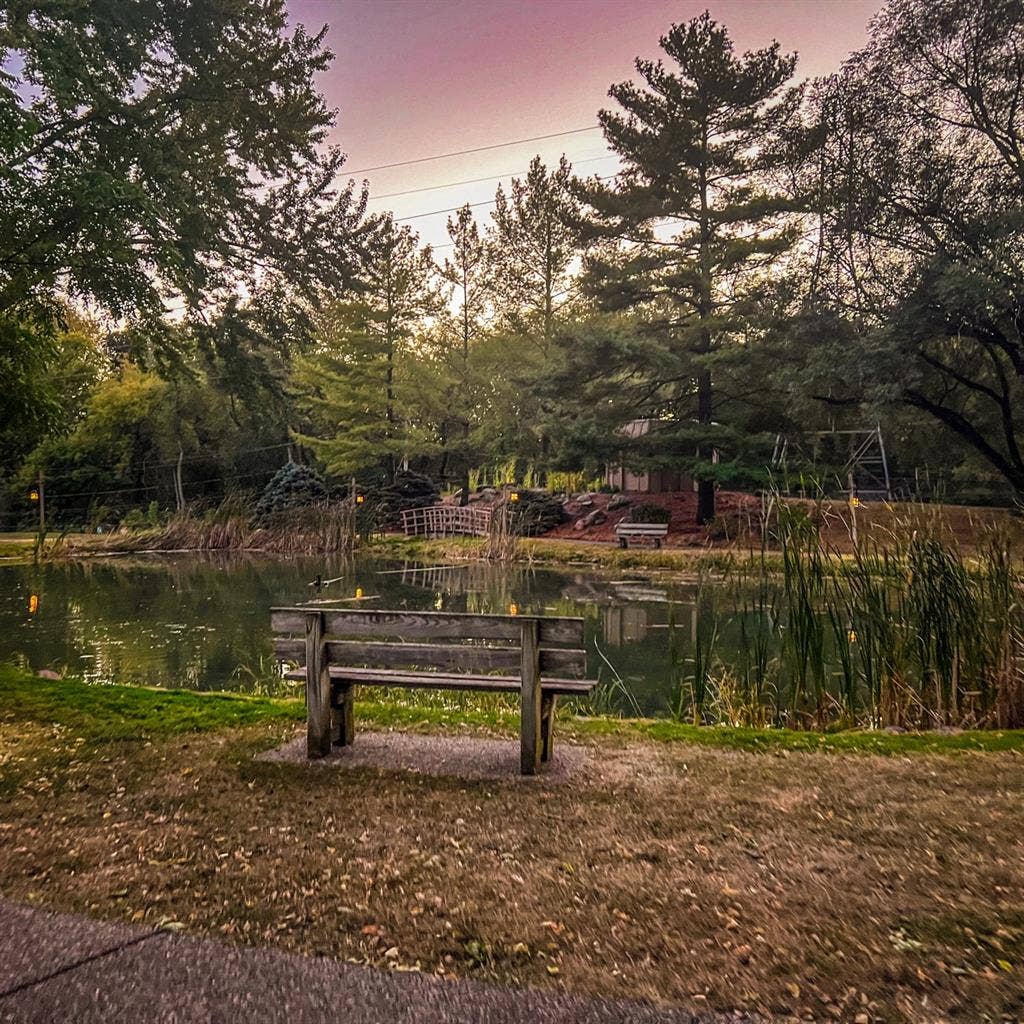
column 447, row 521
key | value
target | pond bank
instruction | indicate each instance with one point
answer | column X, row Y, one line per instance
column 532, row 550
column 815, row 884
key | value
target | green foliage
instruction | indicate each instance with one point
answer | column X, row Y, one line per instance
column 407, row 490
column 361, row 385
column 912, row 157
column 174, row 155
column 646, row 512
column 693, row 297
column 164, row 147
column 561, row 482
column 294, row 487
column 142, row 519
column 46, row 374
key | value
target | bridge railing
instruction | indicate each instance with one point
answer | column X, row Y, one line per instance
column 447, row 521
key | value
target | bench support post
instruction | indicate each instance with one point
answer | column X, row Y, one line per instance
column 547, row 725
column 318, row 688
column 343, row 723
column 530, row 701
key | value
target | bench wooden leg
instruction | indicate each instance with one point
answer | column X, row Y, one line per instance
column 530, row 700
column 547, row 725
column 318, row 688
column 343, row 723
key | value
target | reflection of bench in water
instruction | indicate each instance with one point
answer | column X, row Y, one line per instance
column 447, row 521
column 614, row 592
column 345, row 649
column 626, row 624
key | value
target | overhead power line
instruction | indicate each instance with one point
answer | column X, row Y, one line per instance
column 476, row 181
column 472, row 206
column 466, row 152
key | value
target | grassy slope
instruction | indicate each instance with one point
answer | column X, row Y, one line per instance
column 100, row 714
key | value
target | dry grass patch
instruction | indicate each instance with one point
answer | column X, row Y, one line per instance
column 789, row 883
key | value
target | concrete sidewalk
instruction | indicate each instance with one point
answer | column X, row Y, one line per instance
column 60, row 967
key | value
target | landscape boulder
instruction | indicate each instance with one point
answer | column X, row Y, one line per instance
column 594, row 518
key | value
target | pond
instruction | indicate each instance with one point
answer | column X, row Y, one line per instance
column 202, row 621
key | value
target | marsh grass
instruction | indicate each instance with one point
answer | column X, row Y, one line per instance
column 326, row 527
column 905, row 631
column 502, row 542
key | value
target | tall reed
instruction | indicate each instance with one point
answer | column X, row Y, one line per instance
column 905, row 631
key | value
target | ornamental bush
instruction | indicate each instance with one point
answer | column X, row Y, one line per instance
column 292, row 487
column 407, row 490
column 536, row 512
column 647, row 512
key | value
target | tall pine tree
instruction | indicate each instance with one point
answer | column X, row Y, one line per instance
column 535, row 252
column 468, row 274
column 698, row 226
column 353, row 385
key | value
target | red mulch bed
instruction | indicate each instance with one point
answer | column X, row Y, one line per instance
column 683, row 530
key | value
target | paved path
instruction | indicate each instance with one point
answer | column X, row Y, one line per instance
column 60, row 967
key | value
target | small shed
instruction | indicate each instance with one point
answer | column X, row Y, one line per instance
column 654, row 481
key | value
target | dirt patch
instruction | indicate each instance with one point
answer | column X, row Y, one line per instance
column 736, row 511
column 795, row 885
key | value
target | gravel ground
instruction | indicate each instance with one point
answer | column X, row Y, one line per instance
column 466, row 757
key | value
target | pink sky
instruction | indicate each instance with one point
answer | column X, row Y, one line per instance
column 414, row 78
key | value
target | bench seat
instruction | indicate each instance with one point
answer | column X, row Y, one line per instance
column 440, row 681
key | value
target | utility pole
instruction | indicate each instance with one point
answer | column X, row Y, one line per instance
column 179, row 490
column 42, row 505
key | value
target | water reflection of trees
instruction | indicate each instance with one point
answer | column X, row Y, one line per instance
column 202, row 620
column 194, row 621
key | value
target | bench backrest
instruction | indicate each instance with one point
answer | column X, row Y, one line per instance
column 653, row 529
column 471, row 643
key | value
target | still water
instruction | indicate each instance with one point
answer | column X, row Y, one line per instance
column 202, row 621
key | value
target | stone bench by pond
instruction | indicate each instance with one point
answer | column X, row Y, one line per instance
column 343, row 649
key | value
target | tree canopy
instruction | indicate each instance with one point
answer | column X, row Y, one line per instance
column 192, row 294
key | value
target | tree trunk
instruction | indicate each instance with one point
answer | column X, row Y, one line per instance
column 705, row 398
column 705, row 488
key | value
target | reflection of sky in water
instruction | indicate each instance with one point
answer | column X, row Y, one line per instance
column 202, row 621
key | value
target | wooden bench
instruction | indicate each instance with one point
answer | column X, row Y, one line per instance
column 346, row 648
column 654, row 532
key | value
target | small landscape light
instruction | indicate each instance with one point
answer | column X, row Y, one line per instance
column 855, row 501
column 359, row 591
column 513, row 496
column 33, row 495
column 33, row 604
column 360, row 498
column 852, row 636
column 513, row 609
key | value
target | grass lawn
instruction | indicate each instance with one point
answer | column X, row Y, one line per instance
column 715, row 869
